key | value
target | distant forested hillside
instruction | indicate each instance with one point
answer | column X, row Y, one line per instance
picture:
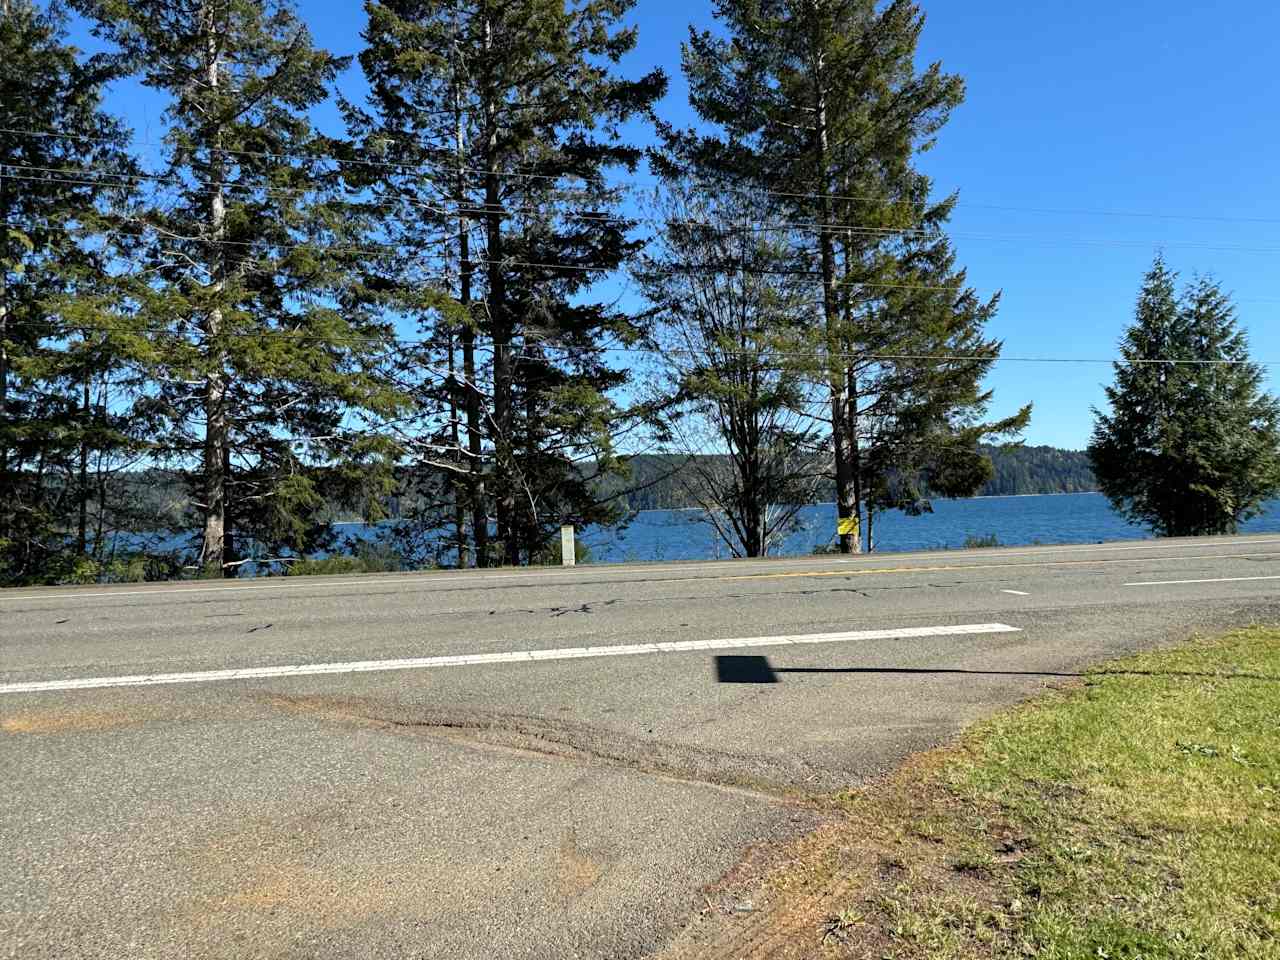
column 160, row 501
column 1023, row 470
column 656, row 481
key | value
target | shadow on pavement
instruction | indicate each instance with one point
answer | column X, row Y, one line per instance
column 731, row 669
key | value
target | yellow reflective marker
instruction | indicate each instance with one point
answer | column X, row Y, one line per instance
column 847, row 526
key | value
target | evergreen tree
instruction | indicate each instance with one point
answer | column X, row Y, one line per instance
column 504, row 117
column 1191, row 445
column 264, row 361
column 64, row 347
column 409, row 159
column 820, row 102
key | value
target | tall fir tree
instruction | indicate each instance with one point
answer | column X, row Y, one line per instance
column 820, row 102
column 1191, row 445
column 265, row 360
column 65, row 175
column 505, row 117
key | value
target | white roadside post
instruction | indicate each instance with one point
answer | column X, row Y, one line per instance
column 567, row 557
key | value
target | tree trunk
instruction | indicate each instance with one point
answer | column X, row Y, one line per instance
column 216, row 451
column 842, row 448
column 5, row 491
column 532, row 368
column 855, row 457
column 503, row 371
column 82, row 520
column 479, row 512
column 456, row 485
column 229, row 555
column 471, row 395
column 100, row 480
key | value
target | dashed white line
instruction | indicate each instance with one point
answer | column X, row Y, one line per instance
column 1017, row 593
column 1171, row 583
column 519, row 656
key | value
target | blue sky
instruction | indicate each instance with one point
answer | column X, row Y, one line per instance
column 1093, row 134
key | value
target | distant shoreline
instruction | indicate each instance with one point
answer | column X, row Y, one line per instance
column 832, row 503
column 822, row 503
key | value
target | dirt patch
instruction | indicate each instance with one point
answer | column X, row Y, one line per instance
column 577, row 871
column 265, row 897
column 835, row 892
column 263, row 875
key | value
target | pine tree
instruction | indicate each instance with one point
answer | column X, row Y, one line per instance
column 414, row 138
column 64, row 175
column 264, row 361
column 1191, row 445
column 820, row 102
column 504, row 117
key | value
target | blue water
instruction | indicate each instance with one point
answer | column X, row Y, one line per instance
column 1014, row 521
column 656, row 535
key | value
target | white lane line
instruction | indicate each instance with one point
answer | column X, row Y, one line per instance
column 518, row 656
column 1170, row 583
column 1017, row 593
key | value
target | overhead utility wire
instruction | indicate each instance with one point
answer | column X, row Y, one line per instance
column 477, row 211
column 449, row 208
column 391, row 249
column 768, row 192
column 657, row 351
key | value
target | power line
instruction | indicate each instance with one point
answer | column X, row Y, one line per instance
column 450, row 276
column 675, row 351
column 444, row 210
column 473, row 210
column 132, row 179
column 424, row 167
column 873, row 231
column 269, row 155
column 396, row 249
column 509, row 173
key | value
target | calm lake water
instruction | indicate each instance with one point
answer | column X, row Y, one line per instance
column 656, row 535
column 1014, row 521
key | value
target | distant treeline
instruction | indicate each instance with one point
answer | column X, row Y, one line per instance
column 659, row 482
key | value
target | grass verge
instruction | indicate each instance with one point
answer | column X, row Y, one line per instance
column 1134, row 816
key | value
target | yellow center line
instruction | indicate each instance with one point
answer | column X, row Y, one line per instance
column 848, row 572
column 164, row 592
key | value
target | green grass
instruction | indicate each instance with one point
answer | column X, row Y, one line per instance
column 1153, row 800
column 1136, row 817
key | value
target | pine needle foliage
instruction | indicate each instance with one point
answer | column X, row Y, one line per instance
column 1190, row 444
column 265, row 366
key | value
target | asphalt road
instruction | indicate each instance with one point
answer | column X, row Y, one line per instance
column 542, row 764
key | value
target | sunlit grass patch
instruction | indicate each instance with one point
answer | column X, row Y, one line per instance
column 1146, row 810
column 1135, row 815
